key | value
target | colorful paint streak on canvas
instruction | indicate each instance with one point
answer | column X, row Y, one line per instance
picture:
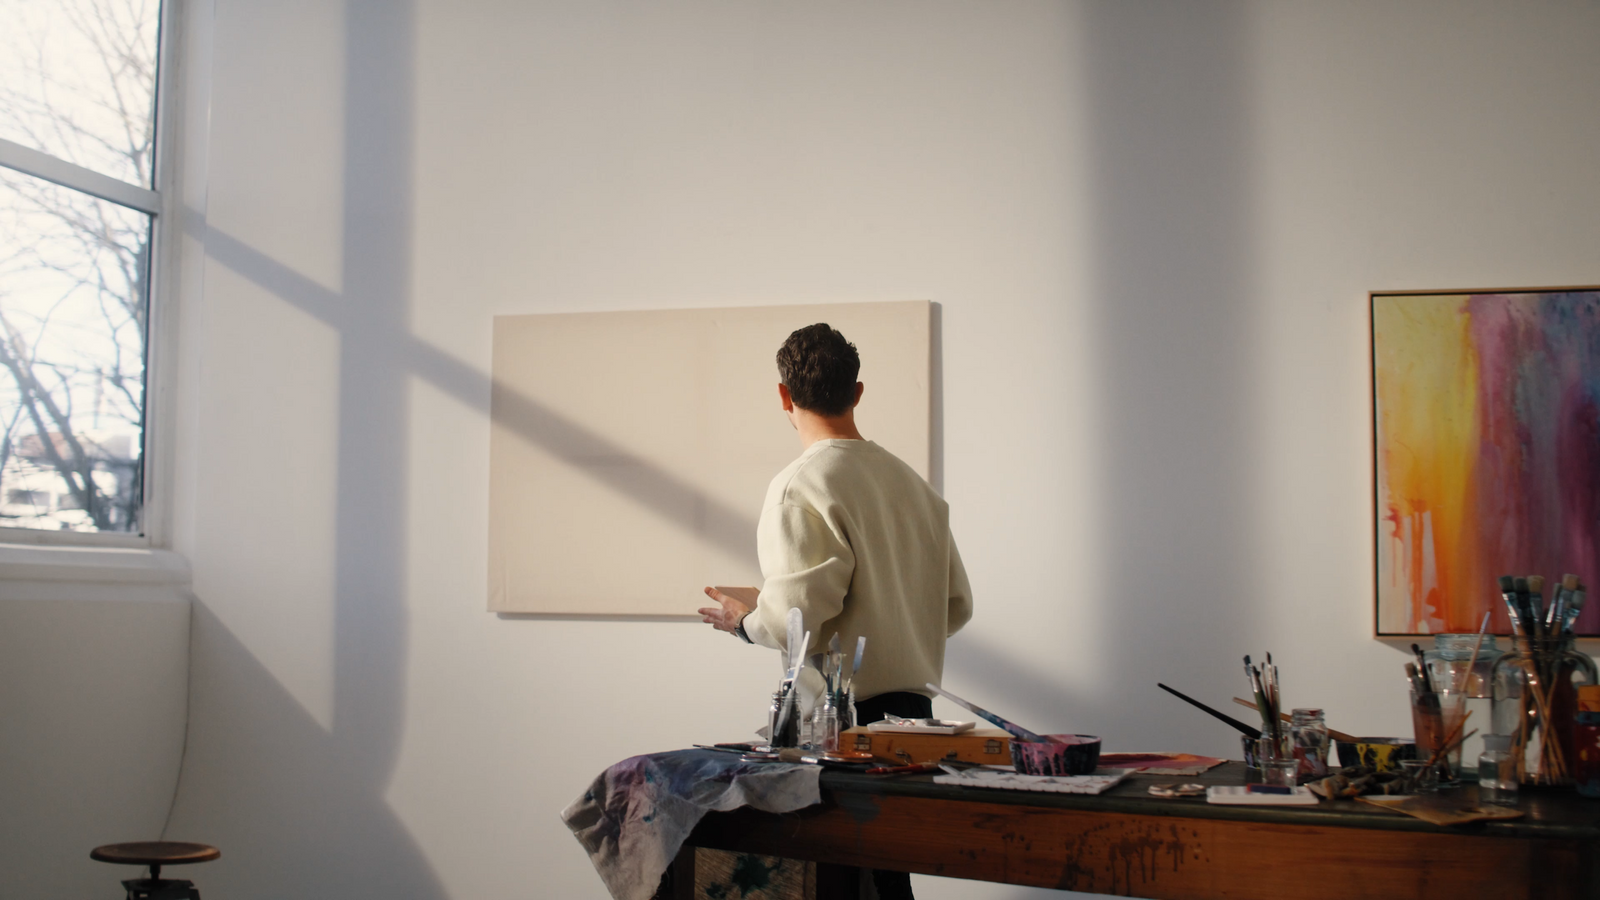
column 1487, row 415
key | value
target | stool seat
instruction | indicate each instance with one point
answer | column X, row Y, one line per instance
column 155, row 853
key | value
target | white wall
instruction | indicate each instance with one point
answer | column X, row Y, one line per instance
column 1150, row 228
column 94, row 667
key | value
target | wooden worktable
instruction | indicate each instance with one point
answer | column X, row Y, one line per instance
column 1129, row 843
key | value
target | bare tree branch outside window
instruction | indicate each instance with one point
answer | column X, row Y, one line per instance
column 77, row 81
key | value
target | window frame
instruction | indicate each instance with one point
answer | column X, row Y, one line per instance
column 160, row 202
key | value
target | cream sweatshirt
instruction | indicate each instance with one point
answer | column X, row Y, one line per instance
column 856, row 540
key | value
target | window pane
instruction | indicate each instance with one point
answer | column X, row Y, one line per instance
column 78, row 79
column 74, row 272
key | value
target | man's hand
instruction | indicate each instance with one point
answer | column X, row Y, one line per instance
column 732, row 610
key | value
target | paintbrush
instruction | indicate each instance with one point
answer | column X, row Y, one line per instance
column 831, row 674
column 1422, row 668
column 1556, row 618
column 1466, row 674
column 1439, row 754
column 1525, row 609
column 1508, row 592
column 1536, row 600
column 1451, row 739
column 1415, row 678
column 795, row 649
column 794, row 685
column 1274, row 698
column 1267, row 726
column 1574, row 607
column 1536, row 603
column 1285, row 717
column 1460, row 739
column 984, row 714
column 1242, row 728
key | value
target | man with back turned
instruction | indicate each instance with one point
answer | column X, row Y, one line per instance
column 857, row 541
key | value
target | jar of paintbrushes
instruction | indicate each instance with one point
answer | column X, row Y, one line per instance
column 783, row 720
column 1439, row 716
column 1536, row 703
column 1535, row 686
column 827, row 721
column 1274, row 750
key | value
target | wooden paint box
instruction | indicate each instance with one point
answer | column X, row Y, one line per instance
column 989, row 746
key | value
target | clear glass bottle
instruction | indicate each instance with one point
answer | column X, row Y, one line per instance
column 1309, row 737
column 1535, row 689
column 1497, row 771
column 825, row 730
column 1447, row 664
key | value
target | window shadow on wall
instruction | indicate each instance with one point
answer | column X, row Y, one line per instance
column 290, row 801
column 666, row 494
column 297, row 808
column 1168, row 128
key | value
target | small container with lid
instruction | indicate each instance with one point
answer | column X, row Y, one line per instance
column 1497, row 771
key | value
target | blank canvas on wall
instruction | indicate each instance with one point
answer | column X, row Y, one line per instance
column 630, row 451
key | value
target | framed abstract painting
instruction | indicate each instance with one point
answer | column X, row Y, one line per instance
column 1486, row 449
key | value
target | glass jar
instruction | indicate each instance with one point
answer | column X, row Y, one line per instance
column 825, row 730
column 1497, row 771
column 1447, row 664
column 784, row 733
column 1274, row 747
column 1309, row 736
column 1437, row 722
column 1535, row 695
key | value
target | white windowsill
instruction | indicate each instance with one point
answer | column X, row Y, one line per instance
column 122, row 565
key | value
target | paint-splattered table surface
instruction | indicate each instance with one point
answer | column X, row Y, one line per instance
column 1546, row 812
column 1128, row 842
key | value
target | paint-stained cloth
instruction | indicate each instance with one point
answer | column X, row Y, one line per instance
column 636, row 815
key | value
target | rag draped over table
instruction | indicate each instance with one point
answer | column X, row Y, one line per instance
column 636, row 815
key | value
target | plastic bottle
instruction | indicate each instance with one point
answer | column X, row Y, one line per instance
column 1497, row 771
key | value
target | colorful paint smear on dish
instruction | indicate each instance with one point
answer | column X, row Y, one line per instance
column 1487, row 416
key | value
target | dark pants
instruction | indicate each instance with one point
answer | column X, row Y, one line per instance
column 893, row 885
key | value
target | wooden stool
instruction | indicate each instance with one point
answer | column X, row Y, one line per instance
column 156, row 854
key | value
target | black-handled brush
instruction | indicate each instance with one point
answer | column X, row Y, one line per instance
column 1242, row 728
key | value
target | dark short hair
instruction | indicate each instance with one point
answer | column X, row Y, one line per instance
column 820, row 367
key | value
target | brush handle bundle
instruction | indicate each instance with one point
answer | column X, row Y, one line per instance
column 1264, row 685
column 1530, row 616
column 1537, row 683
